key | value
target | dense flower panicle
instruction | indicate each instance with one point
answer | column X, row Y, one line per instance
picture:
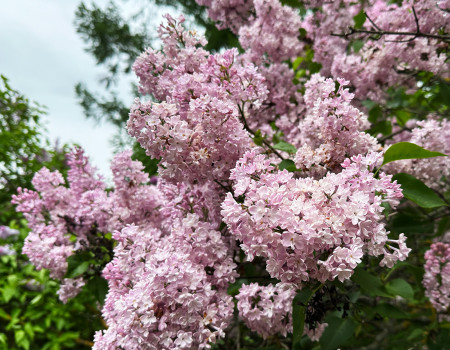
column 230, row 14
column 7, row 250
column 196, row 128
column 312, row 229
column 134, row 200
column 81, row 210
column 167, row 287
column 158, row 70
column 266, row 310
column 437, row 275
column 70, row 287
column 332, row 129
column 195, row 149
column 170, row 306
column 273, row 33
column 432, row 135
column 380, row 62
column 6, row 232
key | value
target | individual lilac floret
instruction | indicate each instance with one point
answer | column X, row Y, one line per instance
column 266, row 310
column 437, row 275
column 312, row 229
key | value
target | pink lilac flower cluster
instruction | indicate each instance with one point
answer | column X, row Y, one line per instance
column 432, row 135
column 6, row 232
column 266, row 310
column 332, row 129
column 196, row 129
column 56, row 213
column 312, row 229
column 382, row 60
column 273, row 33
column 230, row 14
column 168, row 280
column 437, row 275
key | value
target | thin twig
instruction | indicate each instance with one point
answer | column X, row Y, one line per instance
column 246, row 127
column 381, row 32
column 394, row 134
column 388, row 32
column 373, row 23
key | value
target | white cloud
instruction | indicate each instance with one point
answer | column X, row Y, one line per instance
column 43, row 57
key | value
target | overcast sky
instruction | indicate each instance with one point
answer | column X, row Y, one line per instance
column 43, row 58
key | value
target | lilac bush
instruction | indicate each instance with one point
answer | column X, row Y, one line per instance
column 265, row 166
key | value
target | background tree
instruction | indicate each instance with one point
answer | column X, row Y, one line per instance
column 31, row 316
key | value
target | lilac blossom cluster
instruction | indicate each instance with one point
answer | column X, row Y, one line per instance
column 437, row 275
column 168, row 279
column 196, row 128
column 65, row 220
column 7, row 232
column 312, row 229
column 332, row 128
column 382, row 60
column 266, row 310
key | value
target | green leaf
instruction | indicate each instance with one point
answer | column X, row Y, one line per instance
column 402, row 117
column 383, row 127
column 390, row 311
column 258, row 138
column 407, row 150
column 78, row 270
column 400, row 287
column 8, row 292
column 298, row 315
column 369, row 283
column 336, row 333
column 357, row 45
column 19, row 335
column 375, row 113
column 74, row 261
column 297, row 62
column 416, row 191
column 359, row 19
column 98, row 287
column 284, row 146
column 287, row 164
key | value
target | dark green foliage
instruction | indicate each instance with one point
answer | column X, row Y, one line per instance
column 109, row 37
column 22, row 151
column 31, row 315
